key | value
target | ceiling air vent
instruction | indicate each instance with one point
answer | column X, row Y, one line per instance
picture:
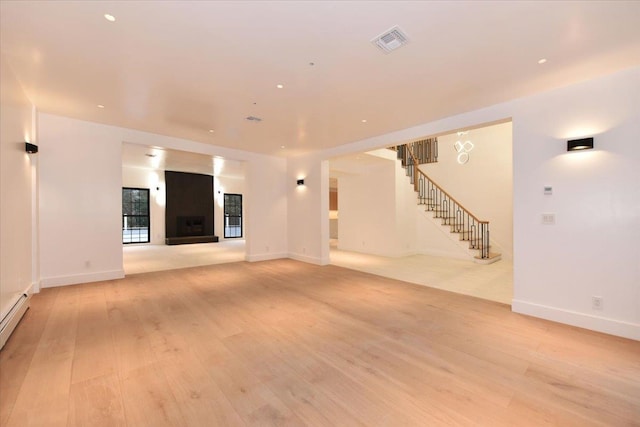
column 391, row 39
column 254, row 119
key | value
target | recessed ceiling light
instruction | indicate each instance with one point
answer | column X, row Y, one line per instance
column 282, row 146
column 542, row 61
column 100, row 106
column 109, row 18
column 211, row 131
column 279, row 86
column 364, row 120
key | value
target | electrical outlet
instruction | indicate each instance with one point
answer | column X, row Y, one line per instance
column 548, row 218
column 596, row 302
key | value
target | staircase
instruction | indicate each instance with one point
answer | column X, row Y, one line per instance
column 460, row 221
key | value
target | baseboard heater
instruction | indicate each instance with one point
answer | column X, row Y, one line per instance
column 13, row 316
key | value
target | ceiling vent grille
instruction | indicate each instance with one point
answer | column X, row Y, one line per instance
column 254, row 119
column 391, row 39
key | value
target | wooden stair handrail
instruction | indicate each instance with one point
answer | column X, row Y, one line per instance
column 415, row 187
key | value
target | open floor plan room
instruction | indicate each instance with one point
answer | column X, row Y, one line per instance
column 288, row 343
column 321, row 213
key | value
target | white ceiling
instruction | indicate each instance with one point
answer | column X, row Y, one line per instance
column 181, row 68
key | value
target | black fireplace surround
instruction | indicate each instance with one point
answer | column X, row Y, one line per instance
column 190, row 226
column 189, row 209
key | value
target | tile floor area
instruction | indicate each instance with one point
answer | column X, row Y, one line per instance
column 493, row 282
column 147, row 258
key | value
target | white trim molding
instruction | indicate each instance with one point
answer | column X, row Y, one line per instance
column 51, row 282
column 309, row 259
column 264, row 256
column 582, row 320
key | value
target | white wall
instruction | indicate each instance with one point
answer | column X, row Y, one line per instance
column 367, row 202
column 484, row 185
column 80, row 201
column 308, row 209
column 592, row 249
column 265, row 206
column 16, row 188
column 154, row 181
column 378, row 207
column 407, row 210
column 80, row 198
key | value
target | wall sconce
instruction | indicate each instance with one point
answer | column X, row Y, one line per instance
column 30, row 148
column 580, row 144
column 300, row 182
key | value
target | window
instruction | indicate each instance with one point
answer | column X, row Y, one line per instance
column 232, row 215
column 135, row 215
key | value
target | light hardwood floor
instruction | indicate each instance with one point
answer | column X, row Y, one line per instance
column 287, row 343
column 493, row 282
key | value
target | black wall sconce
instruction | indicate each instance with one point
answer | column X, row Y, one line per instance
column 300, row 182
column 30, row 148
column 580, row 144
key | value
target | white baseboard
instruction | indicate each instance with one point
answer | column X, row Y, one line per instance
column 309, row 259
column 74, row 279
column 264, row 256
column 582, row 320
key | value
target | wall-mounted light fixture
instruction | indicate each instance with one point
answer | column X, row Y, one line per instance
column 300, row 182
column 463, row 148
column 30, row 148
column 580, row 144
